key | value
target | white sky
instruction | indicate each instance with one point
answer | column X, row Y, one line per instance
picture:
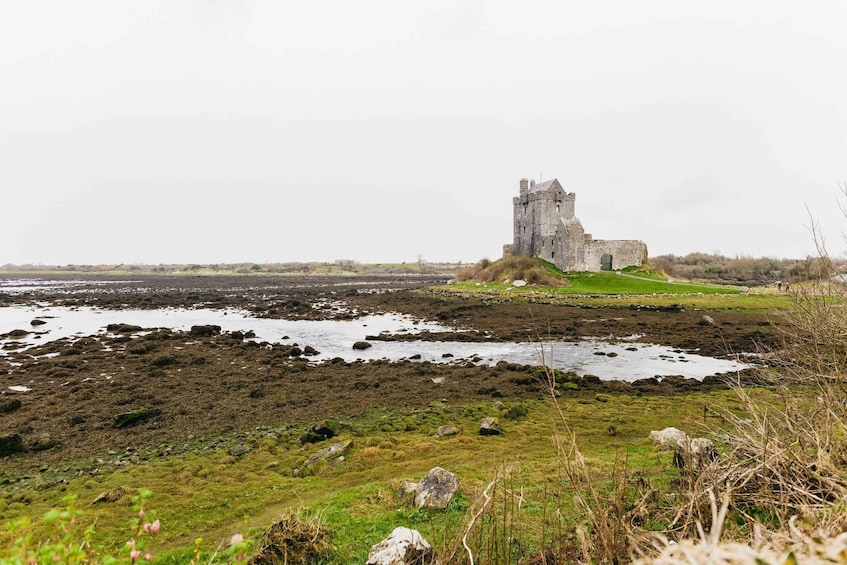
column 272, row 131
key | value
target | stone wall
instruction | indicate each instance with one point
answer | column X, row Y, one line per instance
column 624, row 252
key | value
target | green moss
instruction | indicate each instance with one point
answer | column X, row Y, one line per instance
column 208, row 494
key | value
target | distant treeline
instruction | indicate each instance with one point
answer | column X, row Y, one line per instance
column 750, row 271
column 348, row 267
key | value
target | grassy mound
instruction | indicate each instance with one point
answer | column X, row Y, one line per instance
column 530, row 269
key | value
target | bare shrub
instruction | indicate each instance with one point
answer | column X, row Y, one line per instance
column 783, row 480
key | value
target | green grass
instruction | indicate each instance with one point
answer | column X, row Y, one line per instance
column 611, row 283
column 633, row 286
column 214, row 495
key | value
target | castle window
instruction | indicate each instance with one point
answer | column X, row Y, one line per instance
column 552, row 255
column 557, row 208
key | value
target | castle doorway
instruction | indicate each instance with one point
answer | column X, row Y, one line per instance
column 606, row 262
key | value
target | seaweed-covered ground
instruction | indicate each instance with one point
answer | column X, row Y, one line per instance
column 192, row 387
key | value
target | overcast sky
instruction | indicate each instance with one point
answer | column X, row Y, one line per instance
column 272, row 131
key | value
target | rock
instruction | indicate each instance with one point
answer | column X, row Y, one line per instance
column 490, row 427
column 43, row 443
column 310, row 351
column 407, row 490
column 37, row 322
column 695, row 453
column 328, row 428
column 668, row 437
column 361, row 345
column 706, row 321
column 518, row 283
column 131, row 418
column 113, row 495
column 436, row 489
column 646, row 381
column 123, row 328
column 516, row 412
column 9, row 406
column 402, row 547
column 334, row 451
column 17, row 334
column 206, row 330
column 692, row 453
column 239, row 449
column 10, row 444
column 446, row 431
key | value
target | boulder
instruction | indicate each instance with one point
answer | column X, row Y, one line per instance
column 695, row 453
column 206, row 330
column 490, row 427
column 328, row 428
column 402, row 547
column 37, row 322
column 131, row 418
column 336, row 451
column 9, row 406
column 446, row 431
column 361, row 345
column 706, row 321
column 669, row 437
column 43, row 443
column 436, row 489
column 518, row 283
column 123, row 328
column 239, row 449
column 692, row 453
column 11, row 443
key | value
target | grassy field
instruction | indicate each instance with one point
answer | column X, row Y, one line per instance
column 213, row 495
column 630, row 287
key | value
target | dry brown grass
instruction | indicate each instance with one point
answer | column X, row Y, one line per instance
column 292, row 539
column 783, row 477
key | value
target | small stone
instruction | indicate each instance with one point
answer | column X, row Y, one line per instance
column 446, row 431
column 239, row 449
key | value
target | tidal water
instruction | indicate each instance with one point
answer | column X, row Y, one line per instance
column 623, row 360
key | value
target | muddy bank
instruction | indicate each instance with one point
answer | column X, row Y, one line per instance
column 732, row 332
column 290, row 296
column 188, row 385
column 192, row 384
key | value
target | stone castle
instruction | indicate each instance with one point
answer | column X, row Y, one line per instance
column 545, row 227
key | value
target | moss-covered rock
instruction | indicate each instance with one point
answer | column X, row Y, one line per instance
column 126, row 419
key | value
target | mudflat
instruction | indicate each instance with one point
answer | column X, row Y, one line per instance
column 129, row 388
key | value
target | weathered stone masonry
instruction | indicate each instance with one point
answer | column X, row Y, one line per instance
column 545, row 227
